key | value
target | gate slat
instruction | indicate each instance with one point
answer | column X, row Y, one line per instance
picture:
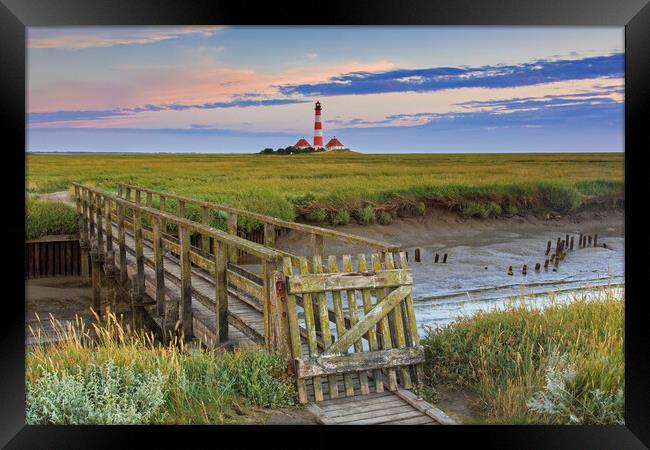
column 385, row 329
column 311, row 330
column 396, row 316
column 323, row 315
column 366, row 296
column 294, row 330
column 413, row 329
column 340, row 322
column 354, row 318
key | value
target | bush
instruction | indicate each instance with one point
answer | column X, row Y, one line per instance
column 474, row 209
column 493, row 209
column 420, row 209
column 384, row 218
column 318, row 215
column 341, row 217
column 561, row 198
column 95, row 395
column 366, row 215
column 45, row 218
column 510, row 210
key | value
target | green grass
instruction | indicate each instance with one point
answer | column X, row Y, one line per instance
column 298, row 186
column 43, row 218
column 561, row 364
column 116, row 377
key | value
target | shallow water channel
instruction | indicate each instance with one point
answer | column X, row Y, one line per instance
column 475, row 277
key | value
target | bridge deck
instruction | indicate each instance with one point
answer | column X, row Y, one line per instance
column 246, row 320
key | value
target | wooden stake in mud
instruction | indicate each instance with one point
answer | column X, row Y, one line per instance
column 571, row 244
column 417, row 255
column 584, row 241
column 580, row 240
column 407, row 256
column 566, row 241
column 435, row 260
column 595, row 240
column 589, row 240
column 537, row 267
column 510, row 271
column 524, row 271
column 548, row 248
column 444, row 258
column 557, row 245
column 546, row 264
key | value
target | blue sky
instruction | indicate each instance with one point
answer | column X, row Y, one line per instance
column 383, row 89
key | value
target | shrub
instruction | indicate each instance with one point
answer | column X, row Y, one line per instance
column 384, row 218
column 474, row 209
column 366, row 215
column 96, row 394
column 317, row 215
column 44, row 218
column 561, row 198
column 341, row 217
column 510, row 210
column 420, row 209
column 493, row 209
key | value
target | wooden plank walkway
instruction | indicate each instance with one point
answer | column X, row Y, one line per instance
column 246, row 319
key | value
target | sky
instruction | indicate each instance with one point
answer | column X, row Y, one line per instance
column 417, row 89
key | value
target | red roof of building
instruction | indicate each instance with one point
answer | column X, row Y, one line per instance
column 334, row 143
column 302, row 143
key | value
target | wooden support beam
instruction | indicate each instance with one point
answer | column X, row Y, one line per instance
column 139, row 250
column 294, row 331
column 269, row 235
column 186, row 284
column 96, row 280
column 233, row 253
column 121, row 240
column 317, row 245
column 221, row 291
column 205, row 220
column 299, row 284
column 281, row 341
column 158, row 256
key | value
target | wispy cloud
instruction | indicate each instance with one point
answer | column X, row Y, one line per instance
column 77, row 38
column 72, row 116
column 440, row 78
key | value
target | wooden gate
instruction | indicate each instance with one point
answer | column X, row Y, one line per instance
column 351, row 350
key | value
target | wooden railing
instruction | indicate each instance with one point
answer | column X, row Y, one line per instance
column 270, row 224
column 99, row 211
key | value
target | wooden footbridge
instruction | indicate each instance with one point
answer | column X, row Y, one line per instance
column 345, row 324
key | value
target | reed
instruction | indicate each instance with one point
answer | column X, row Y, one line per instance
column 517, row 359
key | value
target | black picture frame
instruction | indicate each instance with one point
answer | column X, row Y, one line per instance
column 16, row 15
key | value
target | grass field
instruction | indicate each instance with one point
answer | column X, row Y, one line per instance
column 563, row 364
column 316, row 187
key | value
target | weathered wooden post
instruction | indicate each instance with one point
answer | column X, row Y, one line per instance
column 571, row 245
column 269, row 235
column 294, row 331
column 121, row 241
column 186, row 284
column 233, row 252
column 139, row 249
column 205, row 220
column 595, row 240
column 109, row 273
column 444, row 258
column 99, row 210
column 163, row 208
column 557, row 246
column 537, row 267
column 280, row 329
column 84, row 240
column 317, row 245
column 120, row 190
column 417, row 255
column 589, row 240
column 548, row 248
column 159, row 267
column 109, row 230
column 138, row 196
column 221, row 290
column 580, row 240
column 407, row 256
column 546, row 264
column 524, row 270
column 91, row 215
column 435, row 260
column 510, row 271
column 95, row 258
column 149, row 200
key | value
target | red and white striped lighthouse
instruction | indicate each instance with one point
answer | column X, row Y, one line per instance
column 318, row 128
